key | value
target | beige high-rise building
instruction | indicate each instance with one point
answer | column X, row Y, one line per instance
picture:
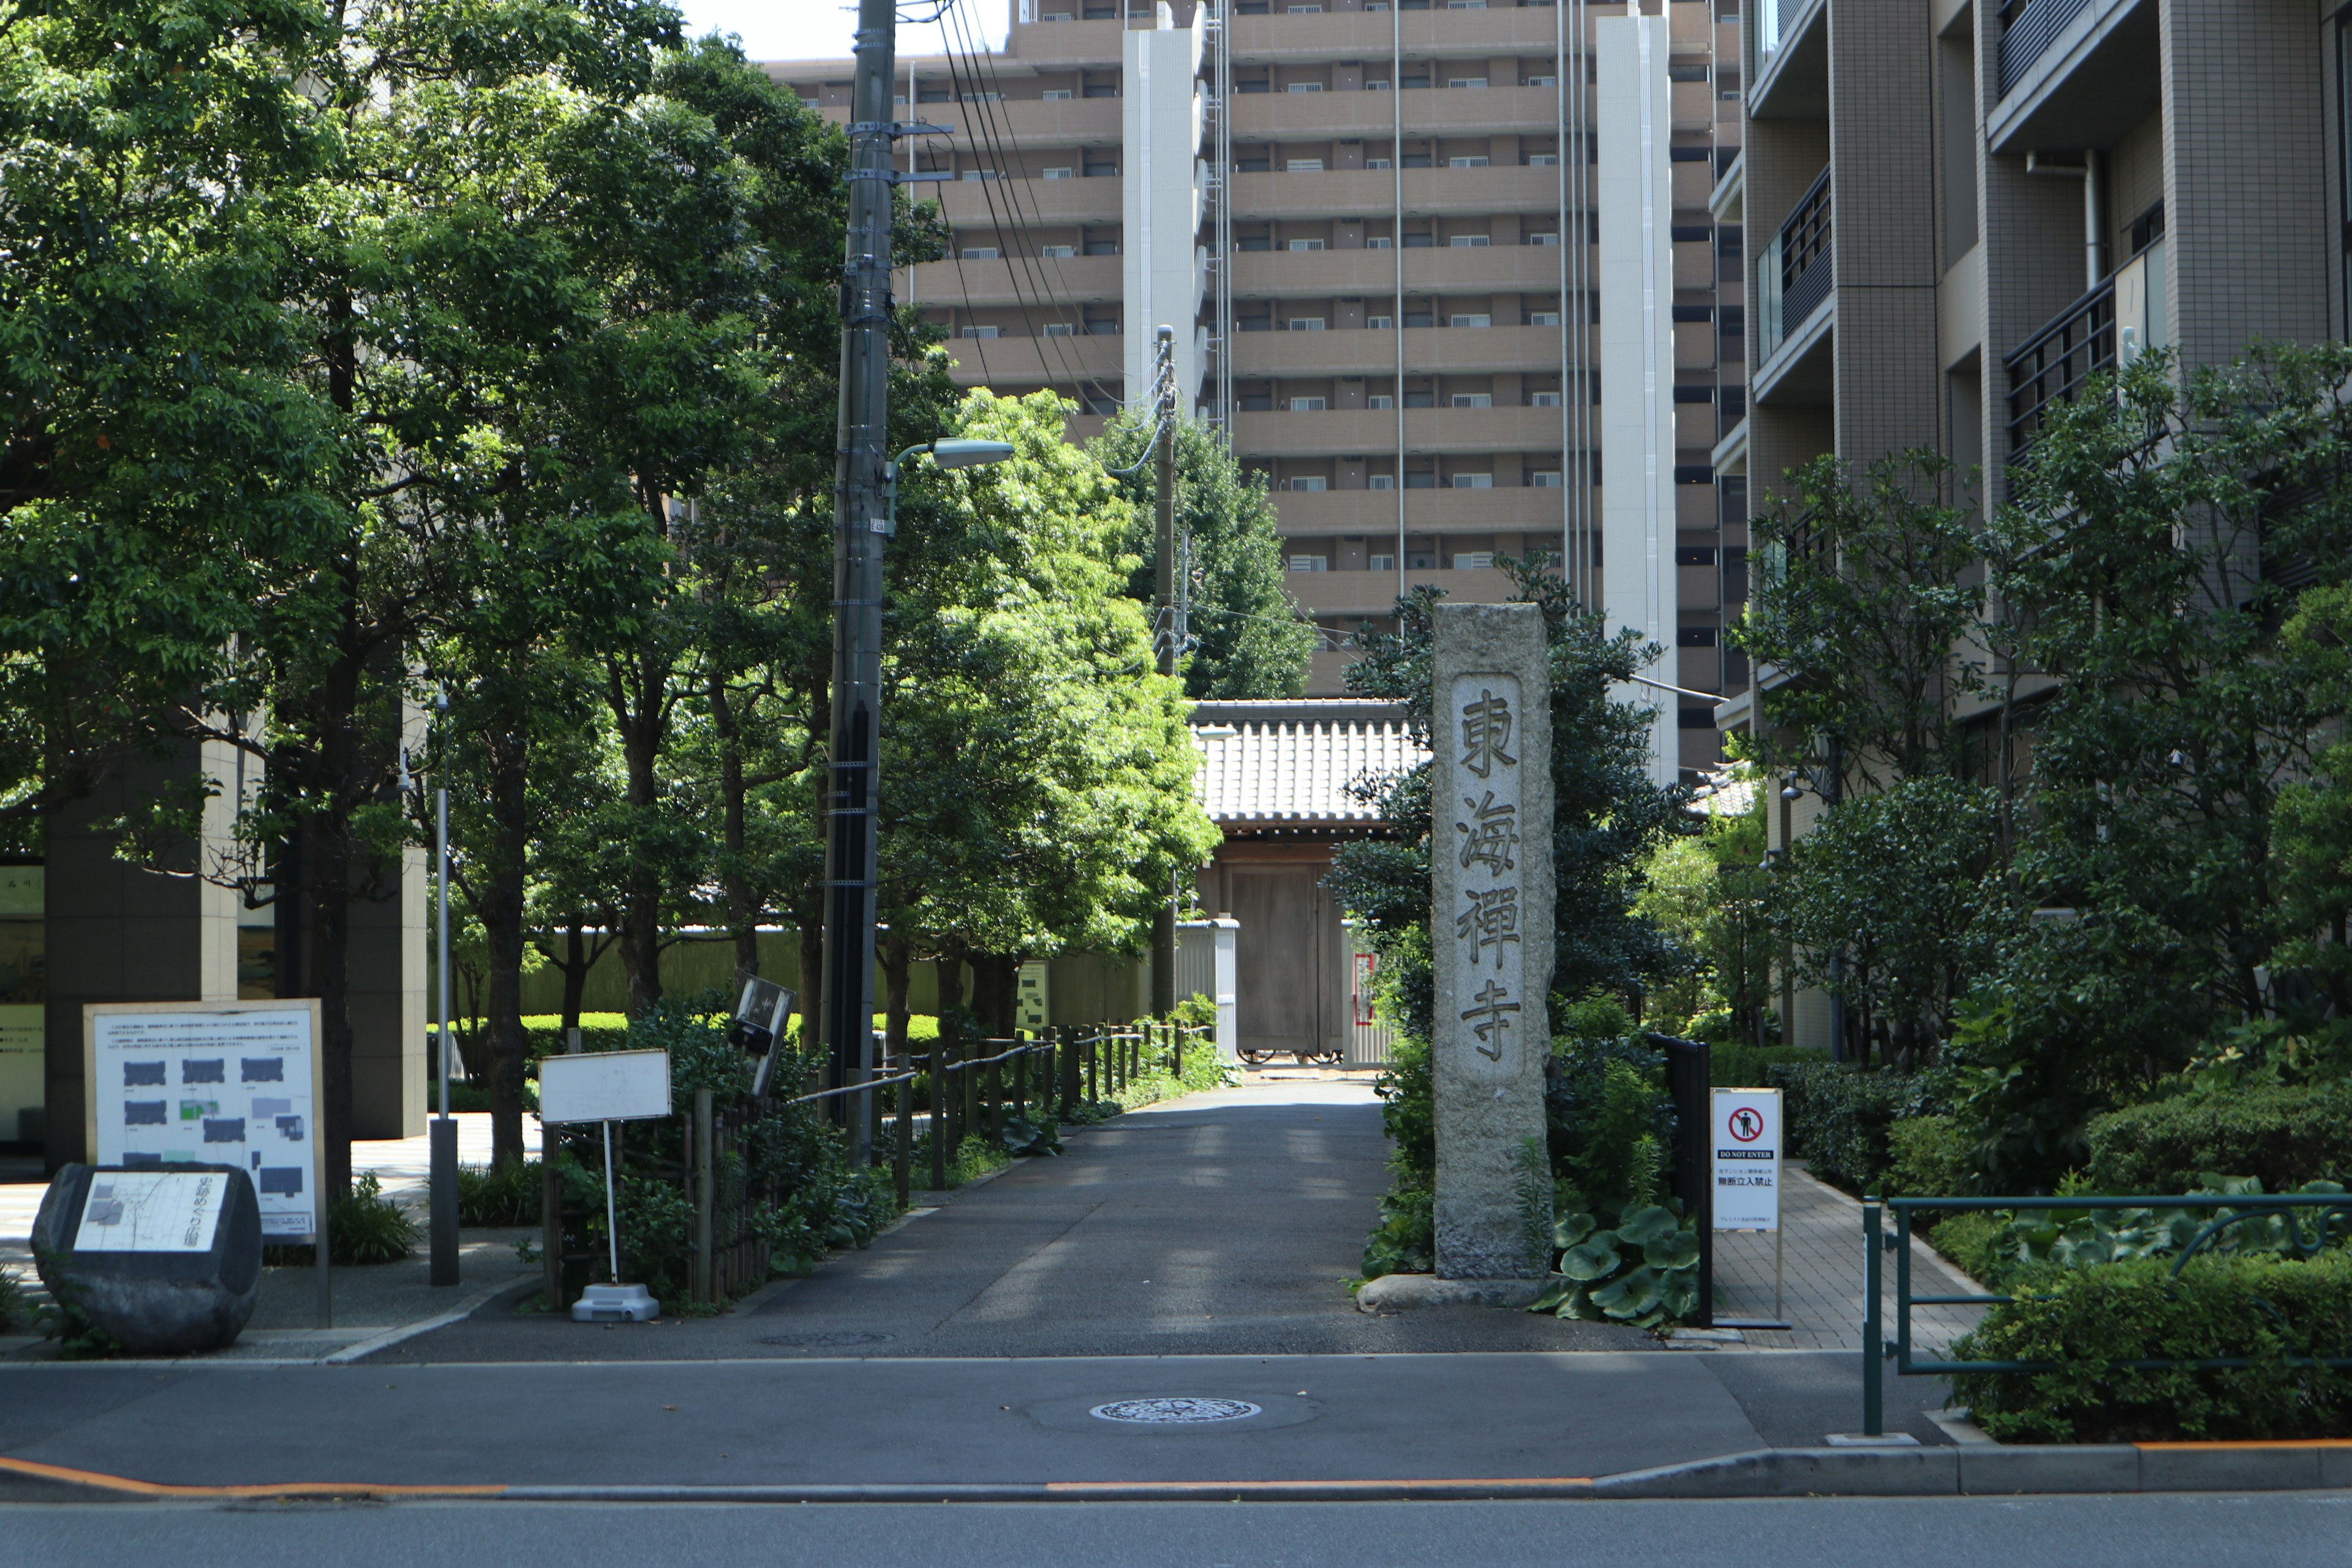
column 1444, row 273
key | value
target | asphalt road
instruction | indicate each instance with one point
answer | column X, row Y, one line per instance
column 2268, row 1530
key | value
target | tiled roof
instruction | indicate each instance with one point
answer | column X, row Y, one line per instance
column 1293, row 762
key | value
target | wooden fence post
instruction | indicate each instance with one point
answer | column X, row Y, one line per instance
column 902, row 1142
column 992, row 1091
column 550, row 1224
column 1066, row 1068
column 939, row 1115
column 1021, row 1081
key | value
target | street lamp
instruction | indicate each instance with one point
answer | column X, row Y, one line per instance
column 954, row 453
column 846, row 993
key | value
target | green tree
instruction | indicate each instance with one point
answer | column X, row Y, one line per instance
column 1710, row 892
column 1866, row 611
column 1249, row 638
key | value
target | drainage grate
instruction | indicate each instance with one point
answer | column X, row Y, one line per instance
column 1174, row 1411
column 823, row 1342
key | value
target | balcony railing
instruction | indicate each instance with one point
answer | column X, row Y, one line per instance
column 2028, row 28
column 2056, row 361
column 1793, row 274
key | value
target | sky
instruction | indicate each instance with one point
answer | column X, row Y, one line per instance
column 804, row 30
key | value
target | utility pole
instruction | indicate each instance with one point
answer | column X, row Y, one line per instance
column 1163, row 926
column 860, row 517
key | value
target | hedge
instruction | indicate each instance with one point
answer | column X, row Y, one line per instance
column 2095, row 1320
column 1837, row 1118
column 2285, row 1135
column 1737, row 1066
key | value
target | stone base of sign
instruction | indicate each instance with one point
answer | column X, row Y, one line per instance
column 1406, row 1292
column 153, row 1303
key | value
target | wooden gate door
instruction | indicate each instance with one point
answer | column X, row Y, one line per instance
column 1279, row 957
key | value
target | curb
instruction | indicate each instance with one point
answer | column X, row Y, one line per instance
column 1969, row 1470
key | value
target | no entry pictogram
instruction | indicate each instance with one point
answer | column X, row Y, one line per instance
column 1746, row 1125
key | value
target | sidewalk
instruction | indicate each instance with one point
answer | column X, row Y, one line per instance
column 1822, row 1295
column 370, row 1303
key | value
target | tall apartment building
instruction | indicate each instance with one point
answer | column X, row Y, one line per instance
column 1444, row 274
column 1957, row 211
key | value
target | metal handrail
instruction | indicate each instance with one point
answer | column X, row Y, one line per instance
column 1877, row 1350
column 2028, row 28
column 2074, row 345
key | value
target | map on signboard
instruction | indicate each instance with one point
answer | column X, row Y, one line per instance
column 211, row 1088
column 151, row 1211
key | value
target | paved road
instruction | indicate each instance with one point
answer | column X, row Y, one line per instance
column 1221, row 1224
column 2271, row 1531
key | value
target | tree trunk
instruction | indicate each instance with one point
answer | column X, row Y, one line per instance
column 734, row 886
column 331, row 929
column 994, row 981
column 811, row 980
column 574, row 964
column 897, row 963
column 638, row 718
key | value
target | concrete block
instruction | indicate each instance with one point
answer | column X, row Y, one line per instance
column 1989, row 1470
column 1404, row 1293
column 1797, row 1472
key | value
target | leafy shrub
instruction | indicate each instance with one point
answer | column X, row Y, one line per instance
column 2282, row 1135
column 1978, row 1243
column 1609, row 1119
column 1643, row 1271
column 1838, row 1117
column 362, row 1228
column 487, row 1196
column 1024, row 1137
column 1737, row 1066
column 2094, row 1321
column 1928, row 1158
column 15, row 1305
column 1405, row 1241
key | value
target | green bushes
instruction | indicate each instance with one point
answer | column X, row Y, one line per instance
column 1737, row 1066
column 1929, row 1157
column 487, row 1196
column 1405, row 1242
column 2094, row 1321
column 1838, row 1117
column 362, row 1228
column 2284, row 1135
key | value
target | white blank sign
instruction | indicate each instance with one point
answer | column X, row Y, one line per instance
column 604, row 1086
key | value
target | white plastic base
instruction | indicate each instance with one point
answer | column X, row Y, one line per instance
column 616, row 1304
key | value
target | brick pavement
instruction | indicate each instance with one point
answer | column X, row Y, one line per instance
column 1822, row 1278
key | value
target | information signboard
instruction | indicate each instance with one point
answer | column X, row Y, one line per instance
column 1747, row 1145
column 151, row 1211
column 604, row 1086
column 213, row 1083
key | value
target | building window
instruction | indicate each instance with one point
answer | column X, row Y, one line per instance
column 1379, row 324
column 1473, row 481
column 1380, row 400
column 1056, row 252
column 1543, row 318
column 1307, row 406
column 1542, row 160
column 1102, row 248
column 1306, row 11
column 1310, row 564
column 1056, row 94
column 1306, row 86
column 1546, row 81
column 1306, row 324
column 1543, row 478
column 1054, row 173
column 1382, row 482
column 1378, row 242
column 1304, row 165
column 1469, row 161
column 979, row 253
column 1467, row 81
column 1468, row 320
column 980, row 331
column 1546, row 237
column 1543, row 400
column 1473, row 561
column 1471, row 241
column 1473, row 400
column 1380, row 563
column 1061, row 330
column 1421, row 480
column 1305, row 245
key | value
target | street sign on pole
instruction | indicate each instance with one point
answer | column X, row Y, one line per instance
column 605, row 1087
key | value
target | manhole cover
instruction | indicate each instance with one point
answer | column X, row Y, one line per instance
column 1174, row 1411
column 823, row 1342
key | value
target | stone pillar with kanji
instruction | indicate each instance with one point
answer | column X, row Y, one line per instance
column 1491, row 939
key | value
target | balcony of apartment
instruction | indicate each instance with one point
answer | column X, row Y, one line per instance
column 1057, row 45
column 1792, row 60
column 1460, row 112
column 1049, row 202
column 1373, row 353
column 1339, row 431
column 1796, row 306
column 2123, row 316
column 1052, row 279
column 1029, row 362
column 1514, row 509
column 1422, row 34
column 1353, row 593
column 2074, row 73
column 1467, row 268
column 1016, row 121
column 1352, row 193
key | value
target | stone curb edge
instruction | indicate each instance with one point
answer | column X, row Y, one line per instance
column 1968, row 1470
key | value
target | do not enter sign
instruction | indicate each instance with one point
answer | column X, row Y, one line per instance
column 1747, row 1158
